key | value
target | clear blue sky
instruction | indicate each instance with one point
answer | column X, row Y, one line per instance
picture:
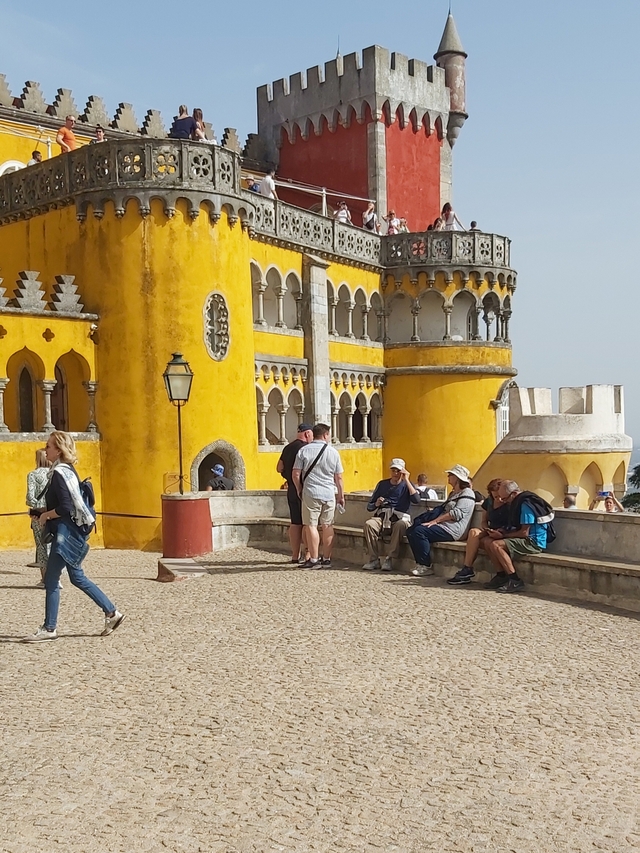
column 548, row 155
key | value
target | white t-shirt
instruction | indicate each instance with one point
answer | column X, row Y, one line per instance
column 343, row 215
column 320, row 483
column 393, row 225
column 268, row 187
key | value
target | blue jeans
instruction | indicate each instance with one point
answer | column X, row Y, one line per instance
column 55, row 565
column 420, row 539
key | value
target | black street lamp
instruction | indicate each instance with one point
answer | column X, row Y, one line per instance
column 178, row 377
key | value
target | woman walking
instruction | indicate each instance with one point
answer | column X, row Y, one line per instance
column 65, row 515
column 37, row 481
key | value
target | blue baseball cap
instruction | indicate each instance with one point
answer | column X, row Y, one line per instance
column 218, row 470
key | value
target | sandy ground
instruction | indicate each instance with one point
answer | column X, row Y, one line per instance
column 263, row 708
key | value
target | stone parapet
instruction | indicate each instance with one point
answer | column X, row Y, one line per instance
column 467, row 252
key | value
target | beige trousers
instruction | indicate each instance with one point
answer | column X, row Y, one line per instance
column 372, row 529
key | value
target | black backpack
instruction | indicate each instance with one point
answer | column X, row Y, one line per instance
column 88, row 496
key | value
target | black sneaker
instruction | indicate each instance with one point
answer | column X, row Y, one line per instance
column 512, row 585
column 311, row 564
column 326, row 564
column 496, row 581
column 462, row 577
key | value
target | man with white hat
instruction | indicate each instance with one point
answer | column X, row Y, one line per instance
column 446, row 523
column 390, row 502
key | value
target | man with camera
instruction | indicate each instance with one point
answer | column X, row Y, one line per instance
column 390, row 502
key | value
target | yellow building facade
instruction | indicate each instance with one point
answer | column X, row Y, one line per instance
column 116, row 255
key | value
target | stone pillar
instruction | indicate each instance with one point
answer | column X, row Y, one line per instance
column 414, row 323
column 350, row 307
column 477, row 336
column 263, row 408
column 498, row 337
column 280, row 303
column 507, row 316
column 315, row 322
column 298, row 298
column 91, row 387
column 283, row 408
column 333, row 304
column 365, row 323
column 364, row 411
column 3, row 387
column 260, row 320
column 335, row 411
column 385, row 327
column 448, row 310
column 350, row 439
column 377, row 165
column 47, row 386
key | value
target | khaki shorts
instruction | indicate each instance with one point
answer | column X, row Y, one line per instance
column 521, row 547
column 317, row 513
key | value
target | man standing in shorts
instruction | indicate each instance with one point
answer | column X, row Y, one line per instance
column 507, row 544
column 285, row 467
column 317, row 475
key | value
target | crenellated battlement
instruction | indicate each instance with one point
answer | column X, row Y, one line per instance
column 387, row 83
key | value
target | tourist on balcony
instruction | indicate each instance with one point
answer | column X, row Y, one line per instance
column 285, row 467
column 525, row 535
column 495, row 515
column 36, row 157
column 65, row 137
column 611, row 502
column 474, row 226
column 403, row 228
column 370, row 218
column 200, row 132
column 317, row 475
column 343, row 214
column 390, row 504
column 100, row 137
column 450, row 220
column 438, row 225
column 268, row 185
column 423, row 487
column 446, row 523
column 183, row 127
column 569, row 502
column 37, row 481
column 66, row 519
column 393, row 223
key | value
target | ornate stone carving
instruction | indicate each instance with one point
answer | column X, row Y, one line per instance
column 4, row 300
column 63, row 105
column 29, row 294
column 153, row 125
column 216, row 326
column 32, row 98
column 125, row 119
column 95, row 112
column 65, row 296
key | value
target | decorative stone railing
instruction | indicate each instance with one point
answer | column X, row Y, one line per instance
column 284, row 222
column 449, row 251
column 122, row 169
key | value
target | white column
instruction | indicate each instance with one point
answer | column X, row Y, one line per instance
column 91, row 387
column 447, row 322
column 350, row 307
column 260, row 321
column 350, row 439
column 364, row 411
column 414, row 323
column 335, row 411
column 263, row 408
column 283, row 408
column 333, row 304
column 47, row 386
column 365, row 323
column 280, row 303
column 3, row 386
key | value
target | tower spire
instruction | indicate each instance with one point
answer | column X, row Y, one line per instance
column 451, row 56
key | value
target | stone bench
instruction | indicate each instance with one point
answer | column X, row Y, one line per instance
column 611, row 583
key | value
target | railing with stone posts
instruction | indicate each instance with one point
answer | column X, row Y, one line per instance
column 448, row 251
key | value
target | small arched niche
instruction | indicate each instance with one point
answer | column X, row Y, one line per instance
column 219, row 452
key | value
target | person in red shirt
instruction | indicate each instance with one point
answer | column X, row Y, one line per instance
column 65, row 136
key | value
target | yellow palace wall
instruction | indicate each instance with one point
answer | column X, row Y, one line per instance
column 18, row 140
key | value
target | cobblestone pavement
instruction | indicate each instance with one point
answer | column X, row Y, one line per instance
column 263, row 708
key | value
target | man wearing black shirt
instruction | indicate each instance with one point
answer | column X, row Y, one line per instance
column 285, row 467
column 390, row 502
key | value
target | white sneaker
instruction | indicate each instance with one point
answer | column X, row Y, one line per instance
column 422, row 571
column 112, row 622
column 41, row 634
column 372, row 565
column 386, row 565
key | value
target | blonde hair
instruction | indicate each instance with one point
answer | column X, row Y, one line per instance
column 41, row 459
column 66, row 445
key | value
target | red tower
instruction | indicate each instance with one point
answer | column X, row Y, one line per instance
column 380, row 128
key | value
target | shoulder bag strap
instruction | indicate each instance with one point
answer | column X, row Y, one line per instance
column 306, row 473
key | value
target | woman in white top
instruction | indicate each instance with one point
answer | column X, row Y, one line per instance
column 450, row 220
column 393, row 223
column 342, row 213
column 36, row 486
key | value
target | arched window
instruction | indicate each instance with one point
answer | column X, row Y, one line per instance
column 502, row 416
column 11, row 166
column 26, row 403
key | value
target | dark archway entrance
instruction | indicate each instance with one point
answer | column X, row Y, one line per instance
column 221, row 452
column 204, row 471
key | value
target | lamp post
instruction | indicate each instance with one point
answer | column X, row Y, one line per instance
column 178, row 377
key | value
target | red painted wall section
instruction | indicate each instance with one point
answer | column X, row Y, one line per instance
column 413, row 175
column 336, row 160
